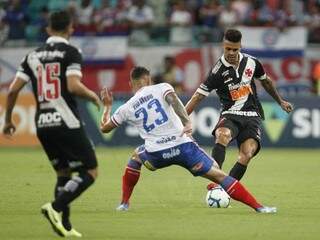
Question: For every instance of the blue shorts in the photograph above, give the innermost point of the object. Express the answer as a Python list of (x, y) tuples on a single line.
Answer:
[(188, 155)]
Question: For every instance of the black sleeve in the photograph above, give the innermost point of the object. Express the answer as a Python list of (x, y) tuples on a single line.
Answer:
[(212, 80), (259, 71), (73, 61), (24, 70)]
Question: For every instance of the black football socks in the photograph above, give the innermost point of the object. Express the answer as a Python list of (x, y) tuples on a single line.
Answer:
[(73, 189), (61, 182), (238, 171), (219, 153)]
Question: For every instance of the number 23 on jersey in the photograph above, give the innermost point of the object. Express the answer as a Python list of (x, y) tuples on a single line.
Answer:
[(153, 105)]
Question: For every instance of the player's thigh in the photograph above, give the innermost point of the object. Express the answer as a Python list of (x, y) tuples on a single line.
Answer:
[(50, 143), (249, 138), (69, 148), (194, 159), (149, 160), (79, 150)]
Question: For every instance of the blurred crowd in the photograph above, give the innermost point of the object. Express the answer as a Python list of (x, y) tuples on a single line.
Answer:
[(160, 21)]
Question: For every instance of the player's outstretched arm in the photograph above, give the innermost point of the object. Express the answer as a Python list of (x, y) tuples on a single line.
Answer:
[(13, 93), (179, 109), (76, 87), (106, 125), (193, 102), (268, 85)]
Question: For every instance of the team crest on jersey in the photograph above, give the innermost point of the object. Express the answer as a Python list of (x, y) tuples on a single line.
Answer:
[(248, 72)]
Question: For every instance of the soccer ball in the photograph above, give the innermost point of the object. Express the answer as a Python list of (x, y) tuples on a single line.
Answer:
[(217, 198)]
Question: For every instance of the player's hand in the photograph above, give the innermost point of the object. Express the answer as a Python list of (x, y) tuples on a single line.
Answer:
[(9, 129), (286, 106), (187, 129), (106, 97)]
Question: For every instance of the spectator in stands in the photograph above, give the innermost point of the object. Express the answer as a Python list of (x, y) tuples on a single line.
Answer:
[(283, 17), (171, 74), (228, 17), (140, 19), (209, 17), (108, 18), (242, 8), (104, 17), (56, 5), (4, 29), (83, 15), (41, 23), (16, 19), (312, 21), (180, 24)]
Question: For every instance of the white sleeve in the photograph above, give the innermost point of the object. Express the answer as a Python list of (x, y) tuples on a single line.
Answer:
[(166, 88), (119, 115)]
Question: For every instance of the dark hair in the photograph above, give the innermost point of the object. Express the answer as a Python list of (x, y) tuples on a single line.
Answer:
[(138, 71), (233, 35), (59, 21)]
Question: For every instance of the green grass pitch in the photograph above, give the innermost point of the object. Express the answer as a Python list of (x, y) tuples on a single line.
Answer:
[(166, 204)]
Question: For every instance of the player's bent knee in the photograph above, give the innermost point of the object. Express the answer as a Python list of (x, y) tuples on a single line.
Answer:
[(223, 136), (135, 157), (93, 173)]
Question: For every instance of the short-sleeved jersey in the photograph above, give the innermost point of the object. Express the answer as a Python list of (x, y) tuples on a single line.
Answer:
[(236, 87), (47, 67), (155, 119)]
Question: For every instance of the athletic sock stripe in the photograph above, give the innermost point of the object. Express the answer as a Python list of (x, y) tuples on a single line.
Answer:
[(132, 169), (232, 185)]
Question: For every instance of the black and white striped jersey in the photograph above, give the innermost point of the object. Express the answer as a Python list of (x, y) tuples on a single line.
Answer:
[(47, 67), (236, 87)]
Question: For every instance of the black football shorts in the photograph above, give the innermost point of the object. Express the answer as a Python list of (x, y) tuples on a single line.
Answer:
[(68, 148), (242, 128)]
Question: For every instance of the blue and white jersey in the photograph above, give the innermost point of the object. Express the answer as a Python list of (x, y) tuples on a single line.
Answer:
[(155, 119)]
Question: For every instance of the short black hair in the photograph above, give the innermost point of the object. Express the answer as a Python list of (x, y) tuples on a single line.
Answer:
[(138, 71), (59, 20), (233, 35)]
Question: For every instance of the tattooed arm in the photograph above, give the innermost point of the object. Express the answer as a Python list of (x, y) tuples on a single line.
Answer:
[(268, 85), (179, 109)]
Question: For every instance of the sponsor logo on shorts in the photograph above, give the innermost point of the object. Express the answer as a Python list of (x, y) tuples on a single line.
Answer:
[(173, 153)]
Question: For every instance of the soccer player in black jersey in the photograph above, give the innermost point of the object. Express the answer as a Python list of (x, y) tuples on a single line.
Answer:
[(54, 71), (233, 77)]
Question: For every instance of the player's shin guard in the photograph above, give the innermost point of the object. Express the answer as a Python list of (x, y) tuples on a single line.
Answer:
[(130, 179), (219, 153), (238, 192), (73, 189), (61, 182), (238, 171)]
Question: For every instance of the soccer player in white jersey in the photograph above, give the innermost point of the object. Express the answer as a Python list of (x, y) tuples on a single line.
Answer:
[(163, 123)]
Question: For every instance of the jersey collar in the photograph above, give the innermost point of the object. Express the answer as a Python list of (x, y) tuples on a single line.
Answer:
[(224, 61), (57, 39)]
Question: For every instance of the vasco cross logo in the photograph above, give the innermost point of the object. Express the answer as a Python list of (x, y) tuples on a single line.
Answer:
[(275, 120)]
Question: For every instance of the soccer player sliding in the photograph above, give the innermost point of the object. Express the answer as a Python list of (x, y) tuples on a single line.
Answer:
[(163, 123)]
